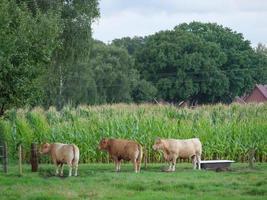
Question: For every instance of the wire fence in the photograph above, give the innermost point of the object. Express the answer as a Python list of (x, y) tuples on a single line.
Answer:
[(4, 156)]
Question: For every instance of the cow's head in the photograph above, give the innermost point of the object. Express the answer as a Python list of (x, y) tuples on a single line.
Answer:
[(45, 148), (103, 144), (158, 144)]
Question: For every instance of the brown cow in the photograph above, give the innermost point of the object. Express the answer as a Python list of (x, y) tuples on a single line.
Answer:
[(173, 149), (62, 154), (120, 149)]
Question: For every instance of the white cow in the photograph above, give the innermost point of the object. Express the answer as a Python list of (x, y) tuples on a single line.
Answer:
[(62, 154), (173, 149)]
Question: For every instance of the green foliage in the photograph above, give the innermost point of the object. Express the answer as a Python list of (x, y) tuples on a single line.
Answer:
[(261, 61), (226, 132), (26, 46), (48, 58), (132, 45), (199, 62), (144, 92), (68, 76)]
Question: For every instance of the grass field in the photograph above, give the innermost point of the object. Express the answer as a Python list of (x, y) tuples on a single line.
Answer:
[(99, 181)]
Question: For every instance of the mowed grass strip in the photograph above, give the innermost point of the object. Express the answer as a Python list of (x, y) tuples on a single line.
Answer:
[(99, 181)]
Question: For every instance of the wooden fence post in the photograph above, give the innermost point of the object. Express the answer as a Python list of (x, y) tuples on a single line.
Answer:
[(251, 157), (20, 161), (5, 157), (34, 157)]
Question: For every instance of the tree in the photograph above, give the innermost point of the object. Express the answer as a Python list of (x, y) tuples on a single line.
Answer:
[(260, 60), (239, 63), (114, 74), (201, 62), (132, 45), (27, 44), (69, 73), (144, 91)]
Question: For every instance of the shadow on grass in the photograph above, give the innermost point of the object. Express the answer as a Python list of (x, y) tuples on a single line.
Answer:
[(256, 192), (85, 170), (49, 173)]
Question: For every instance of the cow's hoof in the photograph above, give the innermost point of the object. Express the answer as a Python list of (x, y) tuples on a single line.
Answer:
[(166, 170)]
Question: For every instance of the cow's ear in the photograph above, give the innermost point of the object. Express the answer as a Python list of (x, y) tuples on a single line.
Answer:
[(104, 140)]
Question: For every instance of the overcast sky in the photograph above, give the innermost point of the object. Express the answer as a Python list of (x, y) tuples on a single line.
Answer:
[(121, 18)]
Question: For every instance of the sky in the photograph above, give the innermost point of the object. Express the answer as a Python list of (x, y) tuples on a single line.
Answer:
[(122, 18)]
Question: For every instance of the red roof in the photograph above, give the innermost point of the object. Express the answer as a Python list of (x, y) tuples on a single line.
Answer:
[(262, 89), (258, 94)]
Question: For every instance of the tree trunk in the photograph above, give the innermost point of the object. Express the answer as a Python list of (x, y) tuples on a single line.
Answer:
[(60, 87), (2, 110)]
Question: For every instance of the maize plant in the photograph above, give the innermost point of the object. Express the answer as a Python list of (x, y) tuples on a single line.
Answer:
[(226, 131)]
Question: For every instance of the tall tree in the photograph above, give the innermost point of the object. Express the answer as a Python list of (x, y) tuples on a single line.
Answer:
[(239, 66), (67, 74), (27, 44), (132, 45), (260, 60), (142, 90), (198, 61), (114, 74)]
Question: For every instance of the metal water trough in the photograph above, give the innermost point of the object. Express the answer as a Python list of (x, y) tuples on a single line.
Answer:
[(218, 165)]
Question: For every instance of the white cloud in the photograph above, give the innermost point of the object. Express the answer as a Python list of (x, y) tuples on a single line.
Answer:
[(121, 18)]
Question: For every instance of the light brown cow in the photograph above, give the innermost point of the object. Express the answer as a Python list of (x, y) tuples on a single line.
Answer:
[(120, 149), (173, 149), (62, 154)]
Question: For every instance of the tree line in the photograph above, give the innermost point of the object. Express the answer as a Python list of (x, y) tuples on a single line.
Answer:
[(49, 58)]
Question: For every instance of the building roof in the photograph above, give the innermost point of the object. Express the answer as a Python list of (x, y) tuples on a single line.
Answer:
[(239, 100), (259, 87), (262, 89)]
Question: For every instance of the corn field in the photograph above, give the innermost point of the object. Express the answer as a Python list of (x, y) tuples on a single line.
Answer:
[(226, 132)]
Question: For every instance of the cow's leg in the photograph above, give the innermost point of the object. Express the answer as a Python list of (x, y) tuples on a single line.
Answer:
[(194, 161), (116, 163), (62, 168), (57, 166), (199, 161), (76, 169), (119, 166), (170, 165), (138, 165), (135, 165), (173, 164), (70, 168)]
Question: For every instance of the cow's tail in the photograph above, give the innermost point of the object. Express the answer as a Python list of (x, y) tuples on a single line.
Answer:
[(74, 154), (140, 155)]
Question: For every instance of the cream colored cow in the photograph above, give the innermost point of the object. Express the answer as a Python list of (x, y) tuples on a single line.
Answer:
[(62, 154), (173, 149)]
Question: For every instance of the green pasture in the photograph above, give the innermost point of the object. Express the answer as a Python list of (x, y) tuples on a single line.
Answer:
[(99, 181)]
